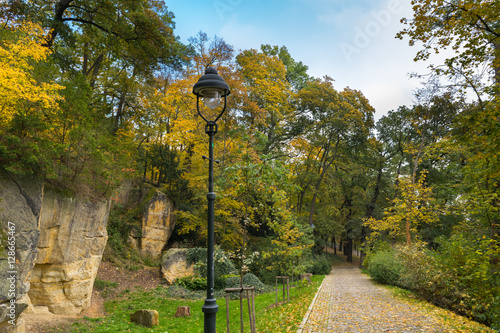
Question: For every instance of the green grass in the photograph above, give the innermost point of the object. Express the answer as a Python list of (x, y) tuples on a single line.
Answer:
[(284, 318), (103, 284)]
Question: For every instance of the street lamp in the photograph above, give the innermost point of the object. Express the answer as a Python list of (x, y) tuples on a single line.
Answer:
[(211, 87)]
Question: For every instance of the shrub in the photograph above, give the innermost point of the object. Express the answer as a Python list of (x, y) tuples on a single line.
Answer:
[(222, 264), (192, 283), (175, 291), (151, 261), (469, 265), (321, 267), (385, 267), (268, 276), (457, 276), (222, 281), (122, 222), (249, 280), (422, 274)]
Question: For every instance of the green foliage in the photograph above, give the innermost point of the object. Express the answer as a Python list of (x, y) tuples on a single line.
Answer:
[(223, 281), (419, 264), (249, 280), (456, 276), (291, 240), (151, 262), (321, 267), (384, 267), (192, 283), (103, 284), (223, 266), (122, 223), (465, 262)]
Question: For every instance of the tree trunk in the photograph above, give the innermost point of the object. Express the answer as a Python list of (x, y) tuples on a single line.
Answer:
[(59, 10), (326, 247), (334, 245), (349, 249), (370, 208), (300, 201), (119, 111), (95, 70), (325, 164), (313, 206)]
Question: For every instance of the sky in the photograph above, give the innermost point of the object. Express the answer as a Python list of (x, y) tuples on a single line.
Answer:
[(351, 41)]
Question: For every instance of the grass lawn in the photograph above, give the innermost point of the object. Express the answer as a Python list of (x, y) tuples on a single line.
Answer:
[(284, 318)]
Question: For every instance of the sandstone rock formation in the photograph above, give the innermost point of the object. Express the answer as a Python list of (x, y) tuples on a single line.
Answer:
[(20, 205), (59, 243), (174, 265), (72, 239), (157, 225)]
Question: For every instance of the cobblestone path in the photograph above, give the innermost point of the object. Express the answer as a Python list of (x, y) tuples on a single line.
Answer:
[(348, 301)]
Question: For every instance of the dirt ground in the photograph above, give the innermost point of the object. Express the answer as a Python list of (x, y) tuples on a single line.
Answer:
[(146, 278)]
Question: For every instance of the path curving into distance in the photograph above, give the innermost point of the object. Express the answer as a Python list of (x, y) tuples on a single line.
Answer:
[(348, 301)]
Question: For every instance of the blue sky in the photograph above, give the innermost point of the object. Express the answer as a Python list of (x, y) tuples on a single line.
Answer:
[(351, 41)]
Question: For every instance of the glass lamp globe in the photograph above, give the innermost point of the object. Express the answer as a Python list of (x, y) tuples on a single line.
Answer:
[(211, 98)]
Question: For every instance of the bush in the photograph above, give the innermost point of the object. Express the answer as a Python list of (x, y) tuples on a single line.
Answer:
[(249, 280), (457, 276), (222, 264), (319, 246), (222, 281), (268, 276), (151, 261), (385, 267), (469, 266), (422, 274), (321, 267), (122, 222), (192, 283)]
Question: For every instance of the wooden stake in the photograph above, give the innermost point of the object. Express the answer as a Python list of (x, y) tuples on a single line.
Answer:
[(253, 309), (288, 289), (249, 310), (227, 312), (241, 310), (276, 298)]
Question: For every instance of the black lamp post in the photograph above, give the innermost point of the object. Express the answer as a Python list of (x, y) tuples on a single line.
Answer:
[(211, 87)]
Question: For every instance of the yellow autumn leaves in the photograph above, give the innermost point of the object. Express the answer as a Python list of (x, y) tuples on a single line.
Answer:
[(413, 207), (19, 50)]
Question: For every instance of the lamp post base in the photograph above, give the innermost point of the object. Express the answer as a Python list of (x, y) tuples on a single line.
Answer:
[(210, 309)]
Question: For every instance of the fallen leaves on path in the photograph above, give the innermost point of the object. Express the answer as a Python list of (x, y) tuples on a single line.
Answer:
[(349, 301)]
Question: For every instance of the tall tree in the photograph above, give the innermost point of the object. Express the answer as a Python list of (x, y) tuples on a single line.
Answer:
[(471, 28), (270, 92), (296, 72), (338, 122)]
